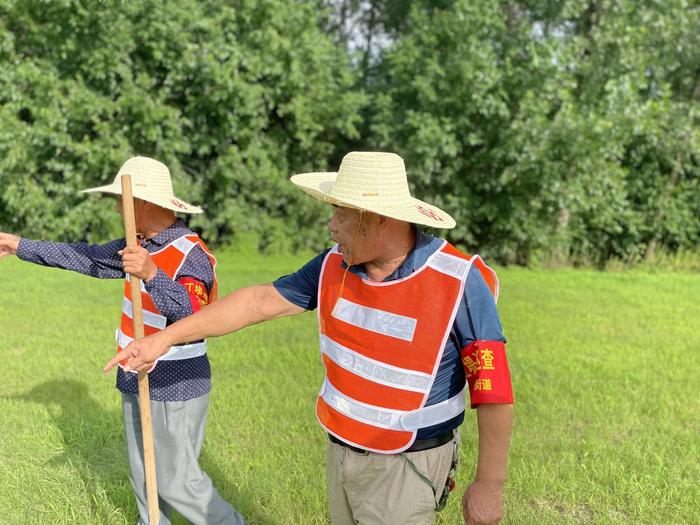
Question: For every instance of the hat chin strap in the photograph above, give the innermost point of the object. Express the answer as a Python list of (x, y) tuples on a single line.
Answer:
[(349, 263)]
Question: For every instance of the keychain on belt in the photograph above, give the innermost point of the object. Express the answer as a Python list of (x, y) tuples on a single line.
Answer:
[(450, 483), (451, 480)]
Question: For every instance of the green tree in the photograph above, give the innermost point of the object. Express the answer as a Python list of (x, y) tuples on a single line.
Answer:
[(233, 98), (551, 130), (564, 130)]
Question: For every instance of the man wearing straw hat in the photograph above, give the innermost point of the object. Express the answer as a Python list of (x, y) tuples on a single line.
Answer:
[(177, 273), (407, 325)]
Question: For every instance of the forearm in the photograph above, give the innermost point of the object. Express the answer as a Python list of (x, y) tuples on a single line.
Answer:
[(494, 422), (237, 310)]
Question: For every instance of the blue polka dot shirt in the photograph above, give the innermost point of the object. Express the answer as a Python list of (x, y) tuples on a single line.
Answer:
[(170, 380)]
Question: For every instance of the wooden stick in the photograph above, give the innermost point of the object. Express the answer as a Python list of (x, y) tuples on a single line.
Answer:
[(149, 457)]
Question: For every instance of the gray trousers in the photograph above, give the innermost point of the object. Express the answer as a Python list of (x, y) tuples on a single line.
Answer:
[(178, 434)]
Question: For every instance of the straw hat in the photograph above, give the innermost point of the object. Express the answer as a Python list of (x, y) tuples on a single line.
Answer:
[(375, 182), (150, 181)]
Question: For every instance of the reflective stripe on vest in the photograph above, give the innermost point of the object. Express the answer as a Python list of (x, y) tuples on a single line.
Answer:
[(395, 419), (450, 265), (149, 318), (375, 370), (382, 343), (128, 280), (376, 320), (183, 244), (458, 268), (175, 353)]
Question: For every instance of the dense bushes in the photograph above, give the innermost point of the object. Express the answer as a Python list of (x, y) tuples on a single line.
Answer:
[(232, 99), (563, 131)]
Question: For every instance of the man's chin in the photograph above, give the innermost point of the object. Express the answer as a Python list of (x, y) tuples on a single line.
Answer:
[(345, 255)]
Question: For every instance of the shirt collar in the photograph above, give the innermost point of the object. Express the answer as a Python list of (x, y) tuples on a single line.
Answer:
[(169, 234)]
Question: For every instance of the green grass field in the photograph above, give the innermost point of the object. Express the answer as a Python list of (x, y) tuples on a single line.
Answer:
[(606, 371)]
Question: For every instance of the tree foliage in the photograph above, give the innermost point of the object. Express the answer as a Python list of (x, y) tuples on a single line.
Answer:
[(562, 130), (232, 97)]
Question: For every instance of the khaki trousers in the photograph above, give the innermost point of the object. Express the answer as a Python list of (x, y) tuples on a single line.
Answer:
[(383, 489)]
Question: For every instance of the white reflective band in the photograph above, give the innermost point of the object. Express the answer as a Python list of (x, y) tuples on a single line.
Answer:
[(374, 370), (375, 320), (143, 287), (175, 353), (394, 419), (379, 417), (183, 244), (149, 318), (450, 265), (435, 414), (185, 351)]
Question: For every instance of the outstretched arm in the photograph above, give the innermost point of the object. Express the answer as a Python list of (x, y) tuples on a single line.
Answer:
[(96, 260), (237, 310)]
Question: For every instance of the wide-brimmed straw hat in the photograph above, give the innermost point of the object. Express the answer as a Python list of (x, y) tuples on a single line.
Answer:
[(150, 181), (376, 182)]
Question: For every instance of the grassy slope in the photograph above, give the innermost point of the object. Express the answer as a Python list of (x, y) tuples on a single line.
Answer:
[(605, 370)]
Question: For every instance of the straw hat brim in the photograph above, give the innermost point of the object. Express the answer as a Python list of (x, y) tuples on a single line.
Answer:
[(320, 185), (169, 202)]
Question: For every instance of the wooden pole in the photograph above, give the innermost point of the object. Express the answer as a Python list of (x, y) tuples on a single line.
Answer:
[(149, 457)]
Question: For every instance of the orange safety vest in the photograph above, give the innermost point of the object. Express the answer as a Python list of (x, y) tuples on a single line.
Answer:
[(381, 344), (168, 259)]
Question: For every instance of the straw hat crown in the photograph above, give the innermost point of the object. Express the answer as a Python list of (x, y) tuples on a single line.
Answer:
[(150, 181), (376, 182)]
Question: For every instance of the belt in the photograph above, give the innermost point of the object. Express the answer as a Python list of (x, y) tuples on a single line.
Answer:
[(418, 444)]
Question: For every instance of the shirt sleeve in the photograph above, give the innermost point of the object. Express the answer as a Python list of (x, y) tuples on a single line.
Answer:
[(301, 287), (96, 260), (477, 317), (483, 349), (172, 296)]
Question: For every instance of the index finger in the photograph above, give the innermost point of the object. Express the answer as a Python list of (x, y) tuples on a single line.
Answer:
[(121, 356)]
